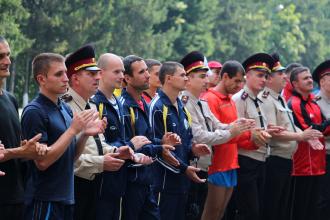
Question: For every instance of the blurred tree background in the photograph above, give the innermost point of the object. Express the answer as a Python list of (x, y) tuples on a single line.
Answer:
[(165, 30)]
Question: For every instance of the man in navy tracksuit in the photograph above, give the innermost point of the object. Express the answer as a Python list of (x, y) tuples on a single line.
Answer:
[(139, 201), (114, 183), (167, 114)]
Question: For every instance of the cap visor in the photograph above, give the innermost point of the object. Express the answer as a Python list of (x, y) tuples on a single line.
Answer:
[(279, 69), (92, 68), (203, 68)]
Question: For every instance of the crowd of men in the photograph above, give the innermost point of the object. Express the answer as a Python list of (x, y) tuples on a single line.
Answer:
[(180, 140)]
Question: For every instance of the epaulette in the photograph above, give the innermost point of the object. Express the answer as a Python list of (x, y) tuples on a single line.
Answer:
[(66, 97), (184, 99), (317, 98), (244, 95), (265, 94)]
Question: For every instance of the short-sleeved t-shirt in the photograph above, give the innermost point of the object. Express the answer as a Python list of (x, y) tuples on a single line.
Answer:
[(51, 120), (11, 185)]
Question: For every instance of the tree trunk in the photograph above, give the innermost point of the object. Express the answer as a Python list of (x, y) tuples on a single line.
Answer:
[(12, 76), (26, 83)]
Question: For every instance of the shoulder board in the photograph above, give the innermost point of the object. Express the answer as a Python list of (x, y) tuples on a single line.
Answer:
[(66, 97), (317, 98), (184, 99), (244, 95), (265, 94)]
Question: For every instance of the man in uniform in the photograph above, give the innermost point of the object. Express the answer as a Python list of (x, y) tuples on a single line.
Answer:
[(97, 156), (283, 146), (251, 175), (206, 128), (309, 159), (321, 75), (167, 114), (50, 185)]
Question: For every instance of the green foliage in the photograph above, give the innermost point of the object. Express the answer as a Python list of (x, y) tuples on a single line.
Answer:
[(13, 14), (286, 36), (165, 30)]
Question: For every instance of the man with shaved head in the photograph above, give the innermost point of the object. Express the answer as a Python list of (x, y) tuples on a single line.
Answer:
[(112, 68)]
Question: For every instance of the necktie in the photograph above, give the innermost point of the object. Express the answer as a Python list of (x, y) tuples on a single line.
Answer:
[(96, 137), (200, 106), (262, 124), (283, 105)]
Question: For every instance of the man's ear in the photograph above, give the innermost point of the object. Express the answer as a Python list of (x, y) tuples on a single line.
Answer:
[(73, 78), (321, 82), (168, 78), (224, 76), (41, 78), (294, 83), (127, 78)]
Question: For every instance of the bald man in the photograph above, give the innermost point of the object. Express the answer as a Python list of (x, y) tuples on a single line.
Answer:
[(112, 69)]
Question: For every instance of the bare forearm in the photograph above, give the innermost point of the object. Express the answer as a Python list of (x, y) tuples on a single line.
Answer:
[(12, 153), (288, 136), (56, 150)]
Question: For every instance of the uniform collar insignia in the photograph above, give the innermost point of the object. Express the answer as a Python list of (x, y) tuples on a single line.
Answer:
[(184, 99), (244, 95), (265, 94), (66, 97)]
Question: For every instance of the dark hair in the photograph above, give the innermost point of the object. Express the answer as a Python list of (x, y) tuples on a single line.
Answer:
[(151, 62), (291, 66), (168, 68), (128, 61), (41, 63), (232, 67), (296, 71)]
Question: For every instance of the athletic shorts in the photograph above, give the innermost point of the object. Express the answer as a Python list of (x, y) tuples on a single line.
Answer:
[(225, 178)]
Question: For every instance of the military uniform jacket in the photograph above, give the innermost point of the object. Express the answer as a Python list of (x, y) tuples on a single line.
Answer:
[(324, 103), (278, 115), (246, 108), (90, 162), (219, 133)]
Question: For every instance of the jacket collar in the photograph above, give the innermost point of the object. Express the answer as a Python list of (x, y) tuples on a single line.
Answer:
[(309, 97), (77, 98), (166, 100), (326, 99), (102, 98), (250, 93), (125, 96), (190, 95)]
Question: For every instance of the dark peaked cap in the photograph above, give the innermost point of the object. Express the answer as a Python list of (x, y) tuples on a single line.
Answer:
[(83, 58), (321, 70), (193, 61), (277, 64), (259, 61)]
